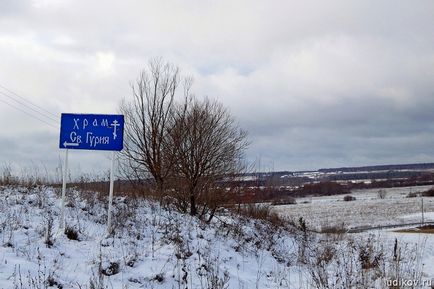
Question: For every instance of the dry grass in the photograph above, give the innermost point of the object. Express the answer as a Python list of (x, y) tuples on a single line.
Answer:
[(261, 212)]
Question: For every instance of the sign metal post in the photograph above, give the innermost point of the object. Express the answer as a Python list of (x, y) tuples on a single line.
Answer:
[(109, 213), (65, 172)]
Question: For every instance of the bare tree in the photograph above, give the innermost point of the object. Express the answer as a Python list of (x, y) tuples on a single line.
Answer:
[(189, 149), (148, 120), (209, 149)]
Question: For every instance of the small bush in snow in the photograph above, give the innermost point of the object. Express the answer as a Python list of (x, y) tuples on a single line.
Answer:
[(429, 193), (111, 269), (261, 212), (382, 194), (159, 278), (52, 282), (71, 233), (349, 198), (412, 195), (333, 229), (48, 235), (285, 201)]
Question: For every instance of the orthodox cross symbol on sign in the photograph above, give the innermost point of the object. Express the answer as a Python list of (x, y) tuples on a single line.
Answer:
[(115, 124)]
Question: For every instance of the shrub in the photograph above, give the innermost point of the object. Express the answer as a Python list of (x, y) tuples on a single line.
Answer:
[(159, 278), (382, 194), (48, 238), (412, 195), (51, 282), (285, 201), (333, 229), (111, 269), (71, 233), (349, 198), (429, 193), (261, 212), (257, 211)]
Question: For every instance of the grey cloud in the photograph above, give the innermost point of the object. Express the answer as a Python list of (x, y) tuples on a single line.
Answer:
[(13, 7), (315, 84)]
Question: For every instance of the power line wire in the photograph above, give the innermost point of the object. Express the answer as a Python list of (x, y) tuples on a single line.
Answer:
[(28, 107), (29, 114), (23, 98), (41, 111)]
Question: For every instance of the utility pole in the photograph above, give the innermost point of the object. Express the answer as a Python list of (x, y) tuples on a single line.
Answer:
[(423, 221)]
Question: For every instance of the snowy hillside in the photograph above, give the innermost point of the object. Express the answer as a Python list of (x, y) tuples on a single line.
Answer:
[(158, 247), (152, 247)]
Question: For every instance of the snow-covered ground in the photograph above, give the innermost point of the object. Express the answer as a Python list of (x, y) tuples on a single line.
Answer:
[(370, 210), (367, 210), (152, 247), (157, 247)]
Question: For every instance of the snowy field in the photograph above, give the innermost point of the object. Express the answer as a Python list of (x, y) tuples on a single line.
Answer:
[(367, 210), (158, 247)]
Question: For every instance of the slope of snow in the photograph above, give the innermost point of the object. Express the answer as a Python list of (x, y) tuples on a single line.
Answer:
[(152, 247)]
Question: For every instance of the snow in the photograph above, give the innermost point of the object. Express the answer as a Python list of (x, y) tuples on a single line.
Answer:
[(153, 247), (427, 216), (367, 210), (156, 246)]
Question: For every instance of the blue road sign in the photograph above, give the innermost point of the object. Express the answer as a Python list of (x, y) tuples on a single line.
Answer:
[(91, 131)]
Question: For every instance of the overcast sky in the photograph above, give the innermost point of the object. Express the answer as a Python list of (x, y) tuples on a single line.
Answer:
[(315, 83)]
